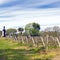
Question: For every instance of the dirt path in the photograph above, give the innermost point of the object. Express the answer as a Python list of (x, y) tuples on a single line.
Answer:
[(56, 58)]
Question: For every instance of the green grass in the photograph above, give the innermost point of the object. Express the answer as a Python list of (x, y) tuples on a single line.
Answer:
[(7, 44), (7, 51), (12, 50), (13, 54)]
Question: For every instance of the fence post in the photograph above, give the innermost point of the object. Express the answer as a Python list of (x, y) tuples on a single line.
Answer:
[(27, 40), (47, 41), (22, 40), (42, 41), (52, 38), (47, 38), (58, 41), (33, 41)]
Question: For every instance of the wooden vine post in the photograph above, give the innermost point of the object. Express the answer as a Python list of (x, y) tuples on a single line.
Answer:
[(42, 41), (47, 36), (33, 41), (58, 41)]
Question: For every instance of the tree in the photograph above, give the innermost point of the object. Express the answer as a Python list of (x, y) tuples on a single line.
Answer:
[(11, 31), (49, 29), (36, 26), (53, 31), (32, 29), (20, 30), (56, 29)]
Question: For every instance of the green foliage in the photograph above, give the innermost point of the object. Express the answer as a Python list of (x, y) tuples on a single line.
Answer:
[(11, 31), (25, 34), (34, 32), (36, 26), (20, 30), (32, 29)]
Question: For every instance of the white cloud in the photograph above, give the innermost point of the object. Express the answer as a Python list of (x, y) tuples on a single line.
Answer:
[(5, 1), (22, 17)]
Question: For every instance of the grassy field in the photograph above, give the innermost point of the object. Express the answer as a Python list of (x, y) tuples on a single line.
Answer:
[(12, 50)]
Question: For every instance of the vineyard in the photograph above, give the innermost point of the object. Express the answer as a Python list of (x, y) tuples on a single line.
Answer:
[(38, 41), (29, 48)]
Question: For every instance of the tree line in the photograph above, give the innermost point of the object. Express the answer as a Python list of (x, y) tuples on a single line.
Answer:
[(33, 29)]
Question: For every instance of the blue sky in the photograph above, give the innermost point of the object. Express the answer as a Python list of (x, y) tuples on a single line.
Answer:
[(17, 13)]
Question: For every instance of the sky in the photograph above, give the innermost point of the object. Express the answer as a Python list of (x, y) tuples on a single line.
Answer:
[(18, 13)]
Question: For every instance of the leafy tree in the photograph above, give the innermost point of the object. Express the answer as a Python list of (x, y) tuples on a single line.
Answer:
[(36, 26), (11, 31), (20, 30), (32, 29)]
